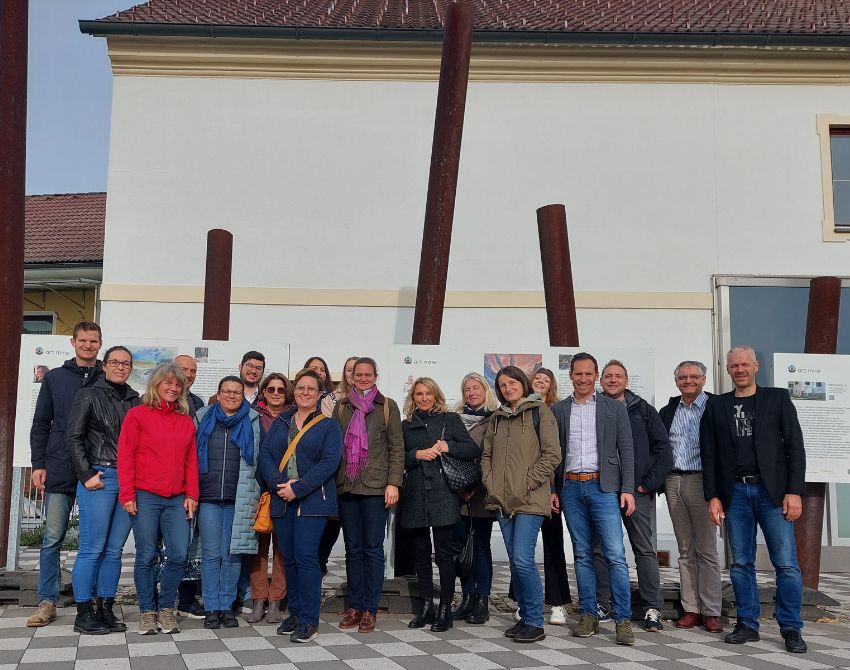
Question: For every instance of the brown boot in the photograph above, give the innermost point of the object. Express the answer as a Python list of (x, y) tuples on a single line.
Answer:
[(273, 614), (256, 615), (350, 619), (45, 613), (367, 623)]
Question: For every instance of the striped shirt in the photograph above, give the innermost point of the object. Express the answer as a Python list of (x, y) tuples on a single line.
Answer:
[(684, 434), (582, 454)]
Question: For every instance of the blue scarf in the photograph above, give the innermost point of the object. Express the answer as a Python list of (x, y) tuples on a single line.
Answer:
[(241, 433)]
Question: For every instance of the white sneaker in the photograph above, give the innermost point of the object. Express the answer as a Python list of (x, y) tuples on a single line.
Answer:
[(652, 621), (517, 617), (603, 614), (558, 615)]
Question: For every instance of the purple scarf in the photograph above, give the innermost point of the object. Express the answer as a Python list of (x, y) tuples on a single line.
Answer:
[(356, 438)]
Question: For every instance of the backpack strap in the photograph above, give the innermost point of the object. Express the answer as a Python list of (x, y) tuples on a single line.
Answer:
[(535, 417), (387, 413)]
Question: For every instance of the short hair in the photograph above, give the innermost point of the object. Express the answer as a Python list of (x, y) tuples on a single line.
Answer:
[(741, 348), (366, 360), (552, 394), (288, 396), (328, 384), (583, 356), (614, 361), (512, 372), (702, 369), (431, 385), (307, 372), (253, 355), (86, 325), (160, 374), (231, 378), (490, 401), (117, 347)]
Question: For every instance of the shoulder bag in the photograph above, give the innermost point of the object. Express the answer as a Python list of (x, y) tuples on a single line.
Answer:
[(460, 474)]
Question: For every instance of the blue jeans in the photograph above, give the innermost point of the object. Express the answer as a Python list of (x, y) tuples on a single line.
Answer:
[(104, 527), (520, 535), (588, 509), (298, 538), (157, 515), (480, 581), (219, 568), (57, 512), (364, 522), (750, 506)]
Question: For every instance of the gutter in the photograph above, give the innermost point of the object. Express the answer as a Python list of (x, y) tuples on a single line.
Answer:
[(69, 275), (101, 28)]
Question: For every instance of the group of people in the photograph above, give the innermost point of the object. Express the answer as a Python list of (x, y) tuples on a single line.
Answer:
[(188, 479)]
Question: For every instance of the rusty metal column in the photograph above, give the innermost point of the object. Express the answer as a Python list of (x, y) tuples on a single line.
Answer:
[(442, 182), (557, 276), (13, 141), (821, 338), (217, 285)]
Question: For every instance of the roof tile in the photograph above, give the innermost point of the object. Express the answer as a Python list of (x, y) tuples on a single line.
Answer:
[(64, 228)]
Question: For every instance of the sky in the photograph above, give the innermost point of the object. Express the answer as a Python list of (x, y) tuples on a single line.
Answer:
[(69, 97)]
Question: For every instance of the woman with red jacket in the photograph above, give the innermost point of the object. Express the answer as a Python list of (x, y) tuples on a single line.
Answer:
[(158, 486)]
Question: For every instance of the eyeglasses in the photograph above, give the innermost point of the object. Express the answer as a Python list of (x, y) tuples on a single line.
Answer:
[(230, 393), (126, 365), (306, 389), (685, 378), (254, 368), (280, 390)]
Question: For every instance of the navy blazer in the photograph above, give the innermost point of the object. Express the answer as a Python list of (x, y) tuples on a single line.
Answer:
[(777, 438), (317, 457)]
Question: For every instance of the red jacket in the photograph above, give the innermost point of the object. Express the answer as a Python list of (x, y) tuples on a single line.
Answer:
[(157, 454)]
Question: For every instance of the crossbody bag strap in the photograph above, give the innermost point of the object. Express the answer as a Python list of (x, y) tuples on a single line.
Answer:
[(291, 448)]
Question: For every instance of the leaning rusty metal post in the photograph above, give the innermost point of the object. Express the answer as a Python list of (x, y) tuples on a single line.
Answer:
[(217, 285), (442, 182), (13, 138), (557, 276), (821, 338)]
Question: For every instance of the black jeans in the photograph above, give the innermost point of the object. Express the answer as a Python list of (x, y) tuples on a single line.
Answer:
[(556, 583), (326, 544), (444, 557)]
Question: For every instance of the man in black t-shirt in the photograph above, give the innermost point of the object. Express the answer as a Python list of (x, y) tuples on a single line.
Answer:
[(754, 469)]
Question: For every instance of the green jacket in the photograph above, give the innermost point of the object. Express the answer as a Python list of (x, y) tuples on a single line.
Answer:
[(385, 464), (517, 467)]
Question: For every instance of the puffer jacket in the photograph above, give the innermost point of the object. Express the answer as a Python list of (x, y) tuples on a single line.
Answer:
[(385, 464), (427, 500), (93, 427), (48, 436), (517, 467), (243, 538)]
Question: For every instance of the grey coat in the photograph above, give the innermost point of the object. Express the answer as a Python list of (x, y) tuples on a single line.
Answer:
[(613, 443)]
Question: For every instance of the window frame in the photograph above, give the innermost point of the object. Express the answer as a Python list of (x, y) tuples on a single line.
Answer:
[(826, 123), (43, 314)]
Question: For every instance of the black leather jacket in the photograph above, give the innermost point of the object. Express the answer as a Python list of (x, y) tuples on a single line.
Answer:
[(93, 426)]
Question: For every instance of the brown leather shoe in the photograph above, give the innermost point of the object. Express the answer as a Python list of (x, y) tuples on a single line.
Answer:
[(350, 618), (367, 623), (689, 620), (713, 625)]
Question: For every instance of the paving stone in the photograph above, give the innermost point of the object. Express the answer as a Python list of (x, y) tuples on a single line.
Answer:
[(215, 659), (102, 640), (158, 663), (300, 653), (94, 653), (252, 657), (163, 647), (103, 664), (50, 655), (201, 646)]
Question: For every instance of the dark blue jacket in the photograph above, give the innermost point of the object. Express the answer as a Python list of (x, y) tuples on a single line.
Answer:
[(219, 482), (653, 455), (48, 435), (317, 456)]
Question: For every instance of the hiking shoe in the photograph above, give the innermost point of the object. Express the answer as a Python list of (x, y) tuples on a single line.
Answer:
[(603, 614), (212, 621), (288, 625), (742, 633), (587, 626), (148, 624), (652, 621), (306, 632), (167, 621), (45, 613), (625, 635), (529, 633), (558, 615), (794, 641), (513, 630)]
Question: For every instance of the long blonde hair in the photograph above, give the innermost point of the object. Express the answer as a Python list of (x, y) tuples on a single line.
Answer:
[(160, 374), (431, 385), (344, 388), (490, 401)]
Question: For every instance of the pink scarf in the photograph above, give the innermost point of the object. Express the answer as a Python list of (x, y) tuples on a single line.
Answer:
[(356, 438)]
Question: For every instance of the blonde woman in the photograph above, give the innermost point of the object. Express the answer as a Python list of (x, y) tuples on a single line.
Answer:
[(158, 486), (428, 503)]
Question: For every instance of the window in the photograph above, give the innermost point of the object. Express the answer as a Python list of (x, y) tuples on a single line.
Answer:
[(834, 133), (38, 323)]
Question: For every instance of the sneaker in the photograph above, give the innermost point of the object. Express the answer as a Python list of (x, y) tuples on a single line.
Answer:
[(288, 625), (652, 621), (148, 624), (306, 632), (587, 626), (192, 609), (625, 635), (45, 613), (228, 619), (529, 634), (558, 615), (168, 621), (794, 641), (513, 630), (212, 621), (742, 633), (603, 614)]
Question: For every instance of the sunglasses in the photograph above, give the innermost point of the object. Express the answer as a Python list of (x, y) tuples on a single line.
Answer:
[(280, 390)]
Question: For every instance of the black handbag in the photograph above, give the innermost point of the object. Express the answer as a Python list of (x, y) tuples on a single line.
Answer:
[(466, 554), (460, 474)]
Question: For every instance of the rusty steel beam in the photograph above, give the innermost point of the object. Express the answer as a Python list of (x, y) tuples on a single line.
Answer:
[(13, 142), (217, 285), (557, 276), (442, 182), (821, 338)]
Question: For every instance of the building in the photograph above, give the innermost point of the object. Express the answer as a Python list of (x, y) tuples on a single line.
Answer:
[(700, 149)]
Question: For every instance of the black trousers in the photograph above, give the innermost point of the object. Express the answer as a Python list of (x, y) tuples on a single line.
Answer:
[(444, 557), (556, 584), (326, 544)]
